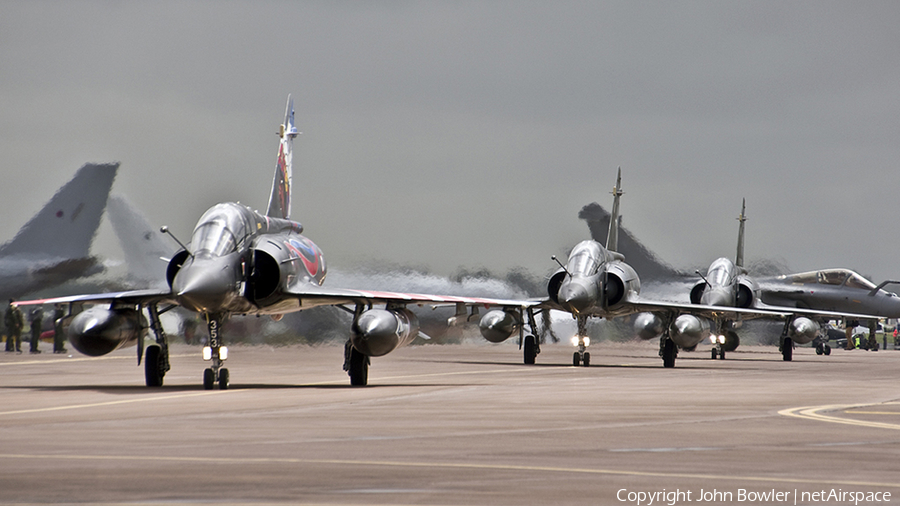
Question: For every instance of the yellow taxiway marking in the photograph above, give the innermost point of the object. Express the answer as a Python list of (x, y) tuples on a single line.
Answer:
[(449, 465), (815, 413)]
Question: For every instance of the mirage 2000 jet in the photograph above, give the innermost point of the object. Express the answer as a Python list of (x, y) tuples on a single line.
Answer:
[(242, 262), (596, 282), (728, 284)]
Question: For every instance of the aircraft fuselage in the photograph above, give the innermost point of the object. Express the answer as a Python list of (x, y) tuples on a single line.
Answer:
[(241, 260)]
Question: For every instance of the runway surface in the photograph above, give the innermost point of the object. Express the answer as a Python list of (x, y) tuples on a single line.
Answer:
[(453, 425)]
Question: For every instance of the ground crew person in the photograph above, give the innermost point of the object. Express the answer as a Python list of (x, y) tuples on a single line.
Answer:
[(36, 317), (59, 340), (14, 324)]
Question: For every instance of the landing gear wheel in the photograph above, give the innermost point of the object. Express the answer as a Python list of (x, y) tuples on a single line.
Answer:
[(152, 374), (714, 354), (359, 368), (530, 348), (587, 359), (209, 379), (787, 349), (669, 353), (827, 350), (576, 359), (820, 349), (223, 379), (722, 355)]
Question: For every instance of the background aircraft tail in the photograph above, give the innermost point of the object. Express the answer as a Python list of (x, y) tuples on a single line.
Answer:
[(739, 257), (612, 238), (280, 200), (66, 225), (143, 245)]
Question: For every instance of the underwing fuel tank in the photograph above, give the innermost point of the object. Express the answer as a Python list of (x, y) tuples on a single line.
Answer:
[(99, 330), (686, 331), (497, 325), (648, 326), (804, 330), (377, 332)]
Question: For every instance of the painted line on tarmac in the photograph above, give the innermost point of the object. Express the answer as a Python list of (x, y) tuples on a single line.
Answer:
[(815, 413), (234, 390), (67, 359), (446, 465), (114, 403)]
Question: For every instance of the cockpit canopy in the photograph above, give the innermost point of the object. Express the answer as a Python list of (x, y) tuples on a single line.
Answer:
[(222, 229), (585, 259), (721, 272), (834, 277)]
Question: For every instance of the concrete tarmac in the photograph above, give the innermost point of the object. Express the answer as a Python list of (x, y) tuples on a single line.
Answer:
[(454, 425)]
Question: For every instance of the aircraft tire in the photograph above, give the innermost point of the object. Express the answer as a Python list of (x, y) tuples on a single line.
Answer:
[(787, 349), (209, 379), (223, 379), (669, 354), (587, 359), (827, 350), (576, 359), (152, 375), (714, 354), (530, 349), (722, 355), (820, 349), (359, 368)]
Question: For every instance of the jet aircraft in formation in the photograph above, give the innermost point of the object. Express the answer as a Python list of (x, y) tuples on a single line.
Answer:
[(242, 262), (727, 283), (596, 282)]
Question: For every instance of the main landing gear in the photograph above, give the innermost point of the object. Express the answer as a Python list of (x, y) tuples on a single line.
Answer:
[(785, 343), (668, 351), (529, 344), (356, 364), (156, 357), (216, 353)]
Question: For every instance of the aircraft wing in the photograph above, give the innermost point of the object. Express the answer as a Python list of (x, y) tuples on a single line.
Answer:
[(127, 297), (305, 298), (640, 305), (819, 313), (311, 297)]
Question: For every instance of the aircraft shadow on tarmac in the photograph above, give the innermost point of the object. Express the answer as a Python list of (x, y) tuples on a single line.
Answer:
[(170, 389)]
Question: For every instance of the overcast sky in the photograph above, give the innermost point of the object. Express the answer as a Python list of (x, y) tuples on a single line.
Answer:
[(449, 134)]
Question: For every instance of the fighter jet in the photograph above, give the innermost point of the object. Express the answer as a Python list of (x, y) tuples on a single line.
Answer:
[(243, 262), (839, 290), (54, 246), (728, 284), (596, 282)]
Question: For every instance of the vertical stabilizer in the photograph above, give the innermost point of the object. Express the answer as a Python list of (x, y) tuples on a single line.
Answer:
[(280, 200), (739, 258), (144, 245), (66, 225), (612, 238)]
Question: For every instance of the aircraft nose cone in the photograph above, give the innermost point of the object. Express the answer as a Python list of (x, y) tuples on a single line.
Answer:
[(717, 297), (575, 297), (203, 286)]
